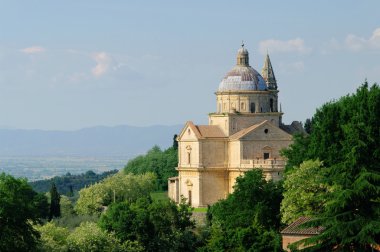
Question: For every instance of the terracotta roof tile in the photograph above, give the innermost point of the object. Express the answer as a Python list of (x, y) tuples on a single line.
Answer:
[(210, 131), (294, 228), (245, 131)]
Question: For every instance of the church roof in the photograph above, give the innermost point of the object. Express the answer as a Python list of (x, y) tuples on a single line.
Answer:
[(207, 131), (295, 127), (245, 131), (242, 77), (242, 133)]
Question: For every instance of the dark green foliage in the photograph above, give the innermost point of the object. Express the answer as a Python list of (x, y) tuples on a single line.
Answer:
[(18, 210), (249, 218), (308, 126), (346, 138), (161, 163), (69, 184), (42, 205), (71, 191), (156, 225), (55, 207), (175, 142), (297, 152)]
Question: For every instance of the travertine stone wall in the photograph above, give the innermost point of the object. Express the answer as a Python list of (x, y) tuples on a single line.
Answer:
[(214, 153), (214, 186)]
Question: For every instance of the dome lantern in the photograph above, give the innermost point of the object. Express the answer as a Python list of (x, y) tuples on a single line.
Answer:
[(242, 77), (242, 56)]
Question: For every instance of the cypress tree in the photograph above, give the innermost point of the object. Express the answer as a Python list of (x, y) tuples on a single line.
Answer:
[(175, 142), (55, 208)]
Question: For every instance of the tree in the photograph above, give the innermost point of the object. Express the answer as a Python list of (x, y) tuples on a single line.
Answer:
[(71, 191), (67, 209), (42, 205), (156, 225), (89, 237), (53, 238), (345, 137), (304, 192), (55, 207), (249, 217), (117, 188), (18, 211), (161, 163), (308, 126), (175, 142)]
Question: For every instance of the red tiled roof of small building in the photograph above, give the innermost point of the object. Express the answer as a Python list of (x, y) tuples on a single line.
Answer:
[(294, 228)]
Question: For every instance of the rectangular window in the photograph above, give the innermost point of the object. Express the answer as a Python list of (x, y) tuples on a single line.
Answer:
[(266, 155), (190, 198)]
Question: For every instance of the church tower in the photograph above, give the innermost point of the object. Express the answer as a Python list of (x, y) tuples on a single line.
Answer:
[(244, 133)]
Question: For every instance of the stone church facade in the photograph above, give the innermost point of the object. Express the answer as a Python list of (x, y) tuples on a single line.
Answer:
[(245, 132)]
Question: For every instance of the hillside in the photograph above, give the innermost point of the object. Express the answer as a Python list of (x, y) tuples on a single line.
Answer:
[(95, 141), (69, 182)]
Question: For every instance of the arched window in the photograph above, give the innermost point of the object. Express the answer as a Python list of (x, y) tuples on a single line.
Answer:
[(253, 107)]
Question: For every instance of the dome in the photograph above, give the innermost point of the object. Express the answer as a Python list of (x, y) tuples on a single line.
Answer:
[(242, 77)]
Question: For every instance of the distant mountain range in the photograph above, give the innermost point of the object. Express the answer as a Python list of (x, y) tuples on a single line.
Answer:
[(95, 141)]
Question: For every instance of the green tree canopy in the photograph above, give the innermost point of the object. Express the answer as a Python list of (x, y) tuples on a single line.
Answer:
[(304, 192), (53, 238), (116, 188), (18, 210), (345, 137), (156, 225), (161, 163)]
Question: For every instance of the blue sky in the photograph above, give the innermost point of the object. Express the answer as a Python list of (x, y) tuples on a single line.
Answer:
[(80, 63)]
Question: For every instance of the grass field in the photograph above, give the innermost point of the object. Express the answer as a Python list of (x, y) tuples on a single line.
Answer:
[(200, 210), (159, 195)]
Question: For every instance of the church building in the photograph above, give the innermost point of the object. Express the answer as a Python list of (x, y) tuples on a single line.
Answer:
[(245, 132)]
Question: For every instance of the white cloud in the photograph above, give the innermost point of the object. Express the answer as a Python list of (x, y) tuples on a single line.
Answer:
[(356, 43), (292, 67), (284, 46), (33, 50), (103, 65)]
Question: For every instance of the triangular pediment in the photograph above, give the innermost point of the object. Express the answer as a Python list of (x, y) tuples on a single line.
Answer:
[(189, 133), (262, 131)]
